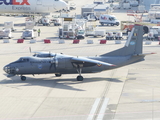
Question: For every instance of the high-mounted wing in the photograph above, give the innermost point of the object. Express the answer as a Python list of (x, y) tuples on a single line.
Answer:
[(89, 62)]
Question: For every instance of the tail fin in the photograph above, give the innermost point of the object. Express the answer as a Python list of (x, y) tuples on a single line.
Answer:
[(133, 45)]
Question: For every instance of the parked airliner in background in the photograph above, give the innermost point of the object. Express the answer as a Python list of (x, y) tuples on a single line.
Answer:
[(32, 6)]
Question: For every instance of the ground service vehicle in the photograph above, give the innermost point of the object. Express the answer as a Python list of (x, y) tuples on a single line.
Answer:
[(109, 20)]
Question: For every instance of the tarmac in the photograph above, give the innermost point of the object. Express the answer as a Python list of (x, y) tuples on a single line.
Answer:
[(128, 93)]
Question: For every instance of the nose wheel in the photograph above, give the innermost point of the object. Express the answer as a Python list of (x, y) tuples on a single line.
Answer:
[(23, 78)]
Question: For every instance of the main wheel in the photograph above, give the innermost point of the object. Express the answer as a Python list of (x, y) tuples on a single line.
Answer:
[(102, 24), (23, 78), (117, 24), (58, 75), (79, 78)]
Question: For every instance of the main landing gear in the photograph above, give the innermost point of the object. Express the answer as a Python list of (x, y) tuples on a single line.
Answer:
[(58, 74), (79, 70), (23, 78), (79, 78)]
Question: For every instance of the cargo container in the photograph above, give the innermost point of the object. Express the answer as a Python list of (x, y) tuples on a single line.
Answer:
[(88, 8)]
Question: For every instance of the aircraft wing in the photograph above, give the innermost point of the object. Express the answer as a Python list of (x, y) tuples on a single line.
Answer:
[(89, 62)]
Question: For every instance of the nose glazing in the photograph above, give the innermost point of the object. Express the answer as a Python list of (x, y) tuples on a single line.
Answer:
[(5, 68), (8, 69)]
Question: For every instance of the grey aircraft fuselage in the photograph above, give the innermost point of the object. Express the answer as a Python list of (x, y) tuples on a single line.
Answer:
[(45, 63), (38, 65)]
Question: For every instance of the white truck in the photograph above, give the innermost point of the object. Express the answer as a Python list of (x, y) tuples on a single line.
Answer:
[(72, 6), (154, 32), (109, 20), (134, 3), (28, 34), (6, 33), (9, 25), (95, 32), (57, 22), (29, 25), (45, 21), (80, 34), (126, 5), (99, 32)]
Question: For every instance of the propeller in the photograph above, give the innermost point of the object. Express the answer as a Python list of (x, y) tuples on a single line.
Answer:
[(30, 50), (54, 62), (50, 54)]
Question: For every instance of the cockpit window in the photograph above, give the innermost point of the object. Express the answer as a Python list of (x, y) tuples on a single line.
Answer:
[(56, 0), (23, 60)]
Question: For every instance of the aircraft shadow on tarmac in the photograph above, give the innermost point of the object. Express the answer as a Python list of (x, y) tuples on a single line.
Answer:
[(60, 83)]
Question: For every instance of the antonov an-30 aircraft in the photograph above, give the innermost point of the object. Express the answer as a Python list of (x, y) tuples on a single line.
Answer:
[(31, 6), (59, 64)]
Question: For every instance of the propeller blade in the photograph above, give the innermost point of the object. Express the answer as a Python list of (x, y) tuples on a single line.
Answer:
[(55, 66), (50, 66), (30, 49)]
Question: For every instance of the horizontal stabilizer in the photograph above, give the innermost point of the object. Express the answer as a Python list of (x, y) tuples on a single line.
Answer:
[(144, 54)]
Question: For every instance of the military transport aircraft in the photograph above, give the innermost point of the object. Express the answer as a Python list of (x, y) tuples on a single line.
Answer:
[(45, 63)]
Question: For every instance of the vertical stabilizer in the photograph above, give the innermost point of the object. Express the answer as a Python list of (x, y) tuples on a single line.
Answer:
[(133, 44)]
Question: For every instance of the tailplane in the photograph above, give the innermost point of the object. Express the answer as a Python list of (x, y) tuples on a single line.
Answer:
[(133, 44)]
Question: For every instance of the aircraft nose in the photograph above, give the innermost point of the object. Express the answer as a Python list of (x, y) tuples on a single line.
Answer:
[(8, 69), (5, 68)]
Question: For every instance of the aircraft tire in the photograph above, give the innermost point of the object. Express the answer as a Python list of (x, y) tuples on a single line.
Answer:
[(117, 24), (102, 24), (23, 78), (58, 75), (79, 78)]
